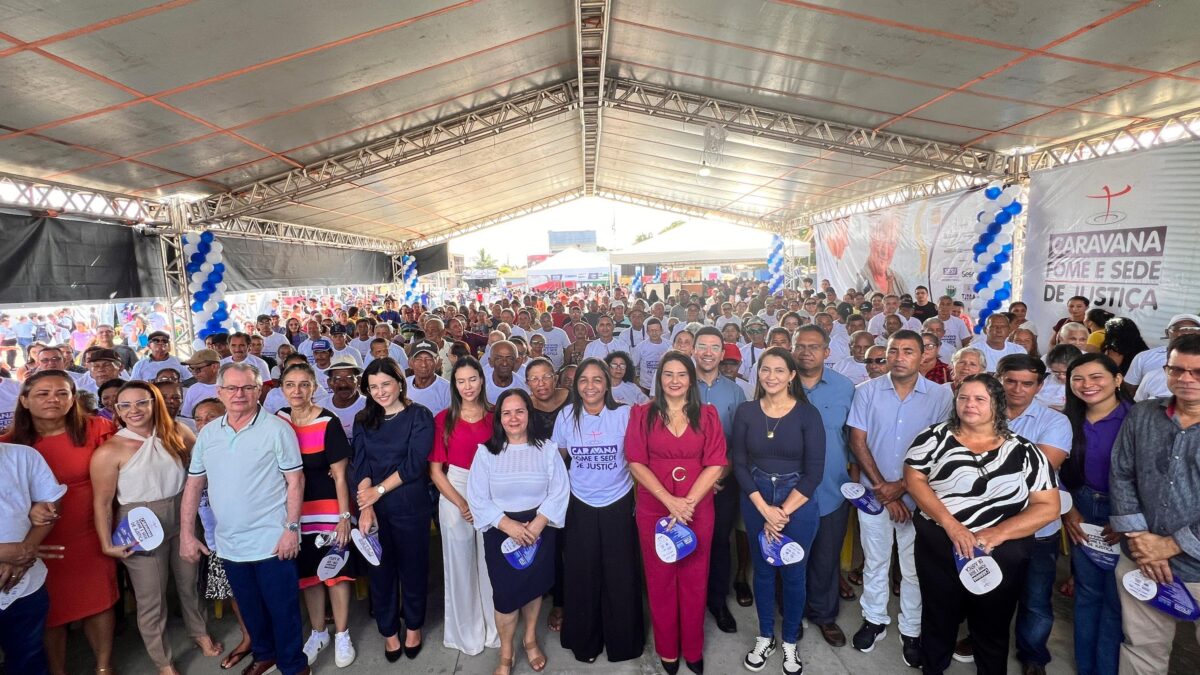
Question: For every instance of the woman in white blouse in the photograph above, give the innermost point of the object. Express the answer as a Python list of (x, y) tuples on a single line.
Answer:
[(518, 491)]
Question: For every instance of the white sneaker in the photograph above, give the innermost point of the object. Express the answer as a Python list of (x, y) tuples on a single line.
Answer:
[(756, 658), (343, 649), (791, 659), (316, 642)]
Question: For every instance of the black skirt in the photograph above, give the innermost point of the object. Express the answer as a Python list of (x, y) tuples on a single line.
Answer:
[(512, 588)]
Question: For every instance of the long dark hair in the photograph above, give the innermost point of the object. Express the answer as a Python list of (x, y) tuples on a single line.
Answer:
[(499, 440), (658, 405), (1122, 336), (454, 412), (1075, 409), (999, 404), (621, 354), (22, 431), (576, 401), (795, 388), (371, 416)]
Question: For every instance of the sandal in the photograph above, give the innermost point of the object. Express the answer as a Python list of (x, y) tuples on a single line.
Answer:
[(505, 667), (554, 621), (846, 592), (537, 660), (235, 657), (855, 577)]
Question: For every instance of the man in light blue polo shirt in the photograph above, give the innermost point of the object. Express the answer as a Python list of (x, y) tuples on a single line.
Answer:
[(250, 462), (887, 414), (1022, 377), (832, 394), (726, 396)]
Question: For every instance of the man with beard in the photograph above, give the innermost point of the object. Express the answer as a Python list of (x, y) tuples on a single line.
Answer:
[(159, 358), (425, 386)]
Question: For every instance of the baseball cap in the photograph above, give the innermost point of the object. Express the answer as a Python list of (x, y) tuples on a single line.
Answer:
[(732, 353), (203, 357), (866, 307), (1184, 317), (344, 363), (338, 329), (425, 346), (322, 345), (158, 334)]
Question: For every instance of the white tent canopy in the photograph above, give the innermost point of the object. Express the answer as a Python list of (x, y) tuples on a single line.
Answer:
[(570, 265), (703, 243)]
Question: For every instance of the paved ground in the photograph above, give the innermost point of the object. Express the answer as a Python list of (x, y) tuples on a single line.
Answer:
[(723, 653)]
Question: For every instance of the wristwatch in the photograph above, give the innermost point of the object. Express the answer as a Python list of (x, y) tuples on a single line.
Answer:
[(381, 490), (345, 515), (293, 527)]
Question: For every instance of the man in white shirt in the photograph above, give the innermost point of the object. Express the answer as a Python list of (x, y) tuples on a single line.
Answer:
[(159, 358), (424, 385), (204, 366), (339, 336), (635, 333), (727, 316), (272, 339), (891, 306), (854, 366), (1152, 360), (239, 352), (996, 345), (956, 334), (605, 343), (649, 352), (103, 365), (557, 339), (362, 338), (346, 400), (503, 360), (312, 328)]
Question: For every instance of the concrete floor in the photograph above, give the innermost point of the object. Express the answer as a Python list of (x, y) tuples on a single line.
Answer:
[(723, 652)]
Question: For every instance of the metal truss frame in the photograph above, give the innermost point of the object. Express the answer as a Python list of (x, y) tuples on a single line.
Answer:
[(591, 56), (1175, 128), (913, 191), (638, 97), (258, 228), (386, 153), (178, 300), (57, 198), (497, 218), (687, 209)]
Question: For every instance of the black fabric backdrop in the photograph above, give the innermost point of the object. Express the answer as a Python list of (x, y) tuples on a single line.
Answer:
[(62, 260), (432, 259)]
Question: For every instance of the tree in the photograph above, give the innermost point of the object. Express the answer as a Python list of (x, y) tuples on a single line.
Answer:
[(485, 260), (674, 224), (643, 237)]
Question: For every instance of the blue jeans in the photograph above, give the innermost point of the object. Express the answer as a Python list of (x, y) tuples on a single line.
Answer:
[(801, 527), (1098, 634), (268, 593), (1035, 615), (22, 626)]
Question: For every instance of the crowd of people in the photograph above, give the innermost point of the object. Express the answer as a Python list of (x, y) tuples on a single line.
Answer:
[(598, 449)]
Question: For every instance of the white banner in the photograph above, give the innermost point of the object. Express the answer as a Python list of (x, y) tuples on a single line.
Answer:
[(1122, 232), (894, 250)]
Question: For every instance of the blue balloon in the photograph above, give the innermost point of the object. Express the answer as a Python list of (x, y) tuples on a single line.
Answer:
[(993, 304), (986, 239), (1003, 218), (207, 236), (978, 287), (202, 333), (994, 229), (200, 296), (984, 277), (203, 248), (1007, 248), (1013, 208), (197, 259), (219, 267), (1002, 258), (222, 306), (990, 193), (213, 324), (994, 268), (983, 315), (1002, 294), (214, 277), (979, 249), (197, 306)]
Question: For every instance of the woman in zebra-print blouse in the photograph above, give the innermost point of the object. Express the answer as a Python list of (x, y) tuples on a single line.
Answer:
[(978, 486)]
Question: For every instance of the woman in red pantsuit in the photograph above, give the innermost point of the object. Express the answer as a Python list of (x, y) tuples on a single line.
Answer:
[(675, 448)]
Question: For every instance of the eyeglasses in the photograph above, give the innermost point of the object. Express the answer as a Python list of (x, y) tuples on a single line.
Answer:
[(247, 389), (541, 379), (160, 341), (1177, 372), (877, 362), (125, 406)]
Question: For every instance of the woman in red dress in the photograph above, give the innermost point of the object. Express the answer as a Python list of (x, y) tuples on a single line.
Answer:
[(675, 448), (83, 584)]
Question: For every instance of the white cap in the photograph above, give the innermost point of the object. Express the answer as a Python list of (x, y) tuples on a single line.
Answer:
[(1184, 317)]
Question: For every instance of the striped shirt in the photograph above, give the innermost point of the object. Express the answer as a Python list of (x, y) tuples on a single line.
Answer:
[(980, 489)]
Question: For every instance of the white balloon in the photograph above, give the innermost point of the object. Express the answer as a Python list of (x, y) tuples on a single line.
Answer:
[(982, 226), (995, 283), (993, 250), (210, 306), (1005, 237), (189, 248), (978, 303), (1012, 193), (217, 247), (1003, 275), (194, 285), (1005, 199), (206, 268), (221, 287), (985, 294)]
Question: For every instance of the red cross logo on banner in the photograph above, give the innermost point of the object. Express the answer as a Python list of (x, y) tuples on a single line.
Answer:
[(1108, 197), (595, 435)]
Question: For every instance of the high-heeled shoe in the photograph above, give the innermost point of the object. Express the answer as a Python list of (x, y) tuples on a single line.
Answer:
[(392, 655), (671, 667), (411, 652), (696, 666)]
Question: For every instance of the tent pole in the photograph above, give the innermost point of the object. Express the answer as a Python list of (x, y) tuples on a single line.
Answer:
[(177, 298)]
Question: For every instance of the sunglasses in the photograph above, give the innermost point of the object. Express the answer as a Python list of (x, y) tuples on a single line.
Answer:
[(878, 362)]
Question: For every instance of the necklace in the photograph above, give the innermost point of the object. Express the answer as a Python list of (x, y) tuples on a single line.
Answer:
[(389, 418), (771, 431)]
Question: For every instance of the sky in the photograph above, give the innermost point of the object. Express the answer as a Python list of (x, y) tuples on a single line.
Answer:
[(616, 225)]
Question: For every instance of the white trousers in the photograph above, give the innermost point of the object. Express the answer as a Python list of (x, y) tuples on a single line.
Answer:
[(878, 533), (470, 623)]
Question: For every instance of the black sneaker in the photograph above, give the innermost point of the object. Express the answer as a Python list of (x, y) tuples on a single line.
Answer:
[(910, 651), (866, 637)]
